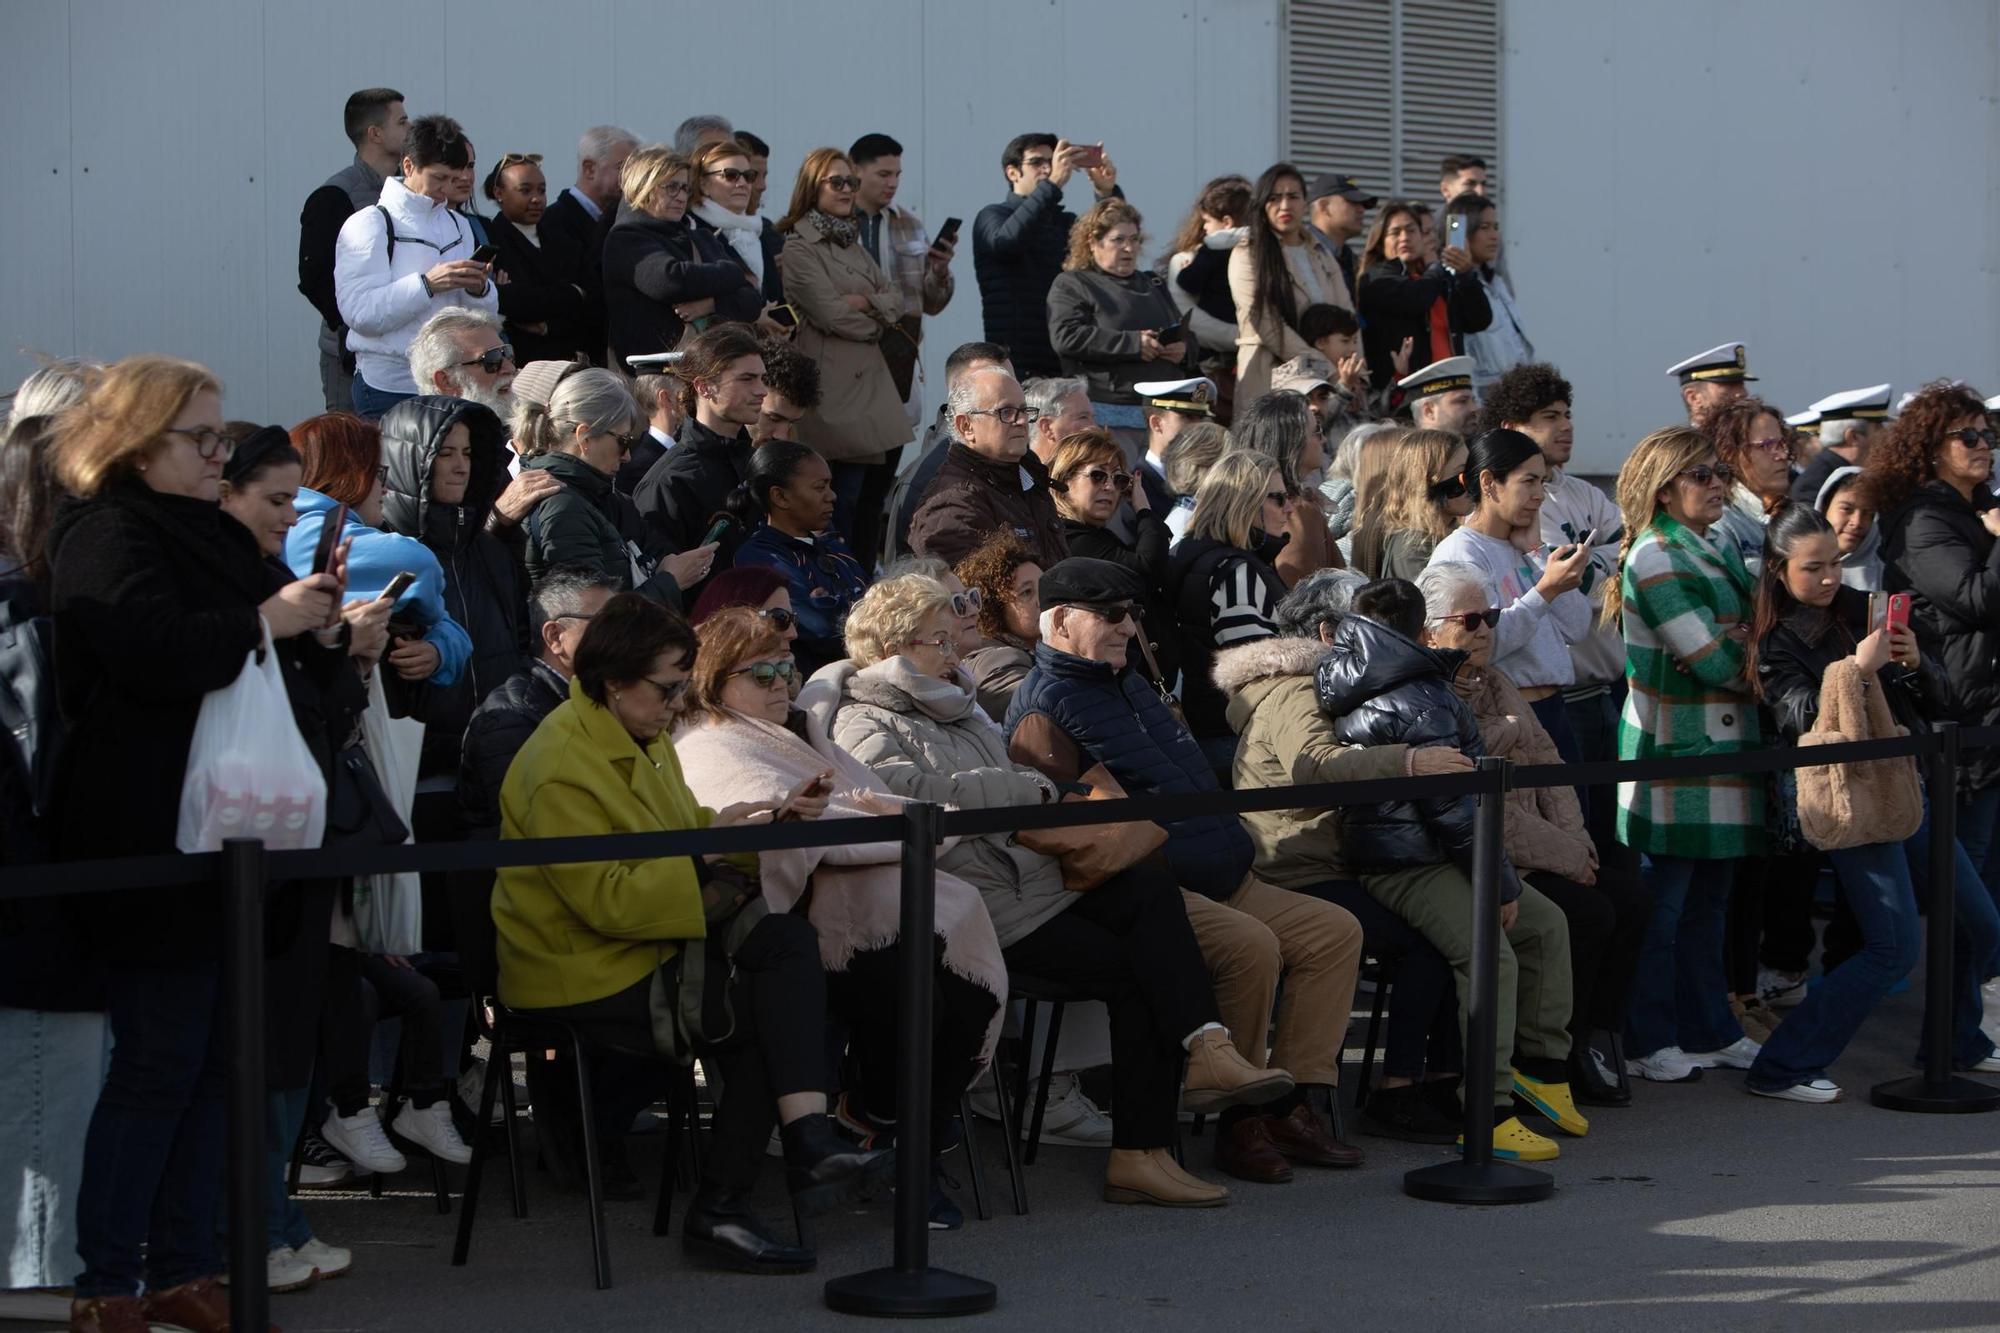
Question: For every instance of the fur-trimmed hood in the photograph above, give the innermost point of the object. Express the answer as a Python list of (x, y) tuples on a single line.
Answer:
[(1239, 666)]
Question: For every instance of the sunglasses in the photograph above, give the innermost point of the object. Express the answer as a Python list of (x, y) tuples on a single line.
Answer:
[(1470, 620), (668, 693), (764, 673), (1115, 613), (1448, 489), (1704, 474), (492, 359), (1281, 498), (211, 443), (1971, 438), (966, 603), (1120, 482), (844, 184), (781, 619), (515, 159), (736, 175)]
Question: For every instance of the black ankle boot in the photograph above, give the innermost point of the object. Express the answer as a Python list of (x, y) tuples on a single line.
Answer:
[(720, 1229), (824, 1170), (1407, 1113)]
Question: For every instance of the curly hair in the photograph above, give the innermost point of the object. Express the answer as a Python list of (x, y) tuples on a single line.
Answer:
[(1098, 219), (991, 568), (1522, 392), (1905, 460), (790, 372), (1730, 428)]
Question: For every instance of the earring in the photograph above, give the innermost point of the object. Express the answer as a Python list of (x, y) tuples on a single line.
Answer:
[(616, 695)]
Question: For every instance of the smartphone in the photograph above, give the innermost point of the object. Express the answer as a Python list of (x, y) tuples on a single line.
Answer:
[(329, 539), (397, 587), (949, 231), (485, 254), (1086, 155), (716, 530), (784, 315), (1458, 231), (1897, 613)]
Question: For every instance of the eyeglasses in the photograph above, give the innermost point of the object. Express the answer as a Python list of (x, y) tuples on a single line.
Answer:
[(676, 190), (1448, 489), (1777, 447), (736, 175), (1120, 482), (1113, 613), (944, 643), (1970, 437), (668, 693), (966, 603), (492, 359), (844, 184), (1009, 415), (1705, 473), (764, 673), (211, 443), (515, 159), (1470, 620)]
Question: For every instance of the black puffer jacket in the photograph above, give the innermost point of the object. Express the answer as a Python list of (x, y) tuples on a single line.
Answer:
[(483, 587), (588, 525), (1018, 247), (1382, 689), (1935, 547), (500, 726), (651, 265), (1793, 658)]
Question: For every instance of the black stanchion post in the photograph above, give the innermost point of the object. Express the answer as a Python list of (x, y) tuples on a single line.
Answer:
[(243, 889), (1476, 1177), (911, 1288), (1938, 1089)]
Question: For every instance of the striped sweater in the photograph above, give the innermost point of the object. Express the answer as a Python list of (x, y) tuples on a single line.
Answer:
[(1683, 593)]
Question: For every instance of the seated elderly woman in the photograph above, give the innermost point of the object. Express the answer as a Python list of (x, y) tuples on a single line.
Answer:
[(743, 739), (903, 706), (591, 943), (1286, 741), (1090, 481), (1004, 574), (1607, 905)]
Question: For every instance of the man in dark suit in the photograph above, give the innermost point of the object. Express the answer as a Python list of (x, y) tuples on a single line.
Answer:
[(574, 225)]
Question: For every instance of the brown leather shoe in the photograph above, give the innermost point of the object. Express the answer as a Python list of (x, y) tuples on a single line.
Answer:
[(1302, 1137), (200, 1306), (1218, 1076), (1245, 1151), (1150, 1175), (109, 1314)]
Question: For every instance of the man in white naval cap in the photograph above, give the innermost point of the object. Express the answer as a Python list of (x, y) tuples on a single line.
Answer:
[(1171, 407), (1712, 380), (1441, 396), (1849, 424)]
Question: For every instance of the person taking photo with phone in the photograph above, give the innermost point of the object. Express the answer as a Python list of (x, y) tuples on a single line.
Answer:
[(1405, 295), (1018, 244)]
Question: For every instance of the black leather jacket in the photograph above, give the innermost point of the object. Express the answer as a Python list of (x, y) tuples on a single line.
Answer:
[(1382, 689), (1793, 657)]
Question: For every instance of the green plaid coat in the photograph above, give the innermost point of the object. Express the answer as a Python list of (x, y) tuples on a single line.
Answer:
[(1688, 695)]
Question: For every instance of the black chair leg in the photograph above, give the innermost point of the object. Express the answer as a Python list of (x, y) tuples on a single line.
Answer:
[(469, 1205), (516, 1178), (965, 1118), (592, 1177), (670, 1160), (1042, 1088), (1367, 1080), (1024, 1066), (1010, 1129)]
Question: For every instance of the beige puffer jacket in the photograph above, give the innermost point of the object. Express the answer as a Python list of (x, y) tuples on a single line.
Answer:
[(1544, 824)]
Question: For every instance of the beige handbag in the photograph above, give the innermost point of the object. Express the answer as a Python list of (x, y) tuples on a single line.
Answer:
[(1856, 805)]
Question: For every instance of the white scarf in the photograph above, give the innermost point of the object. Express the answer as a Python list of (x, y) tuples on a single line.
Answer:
[(743, 231)]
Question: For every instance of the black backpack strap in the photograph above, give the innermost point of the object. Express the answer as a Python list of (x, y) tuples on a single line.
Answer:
[(389, 230)]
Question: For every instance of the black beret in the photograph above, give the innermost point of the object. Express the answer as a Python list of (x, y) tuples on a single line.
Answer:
[(1083, 581), (252, 450)]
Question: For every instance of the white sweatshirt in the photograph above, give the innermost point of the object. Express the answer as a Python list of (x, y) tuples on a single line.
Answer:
[(1531, 643), (1572, 507), (382, 296)]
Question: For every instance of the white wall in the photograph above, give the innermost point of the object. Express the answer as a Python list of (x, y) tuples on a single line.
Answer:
[(1816, 178), (159, 153)]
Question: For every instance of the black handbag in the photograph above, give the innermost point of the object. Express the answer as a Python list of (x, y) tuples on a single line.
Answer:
[(691, 999), (359, 811)]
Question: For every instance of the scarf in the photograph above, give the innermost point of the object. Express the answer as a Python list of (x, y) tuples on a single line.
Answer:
[(743, 231), (840, 231)]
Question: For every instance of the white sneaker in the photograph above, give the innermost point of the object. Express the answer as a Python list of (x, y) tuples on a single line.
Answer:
[(285, 1270), (431, 1129), (1669, 1064), (359, 1138), (1819, 1090), (330, 1260), (1780, 990), (1739, 1054), (472, 1085), (1072, 1120)]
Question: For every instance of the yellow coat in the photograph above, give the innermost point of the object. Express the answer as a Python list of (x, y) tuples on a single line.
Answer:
[(573, 933)]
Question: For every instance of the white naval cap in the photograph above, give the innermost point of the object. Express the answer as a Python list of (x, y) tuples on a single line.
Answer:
[(1724, 364), (1194, 397), (1858, 404), (1454, 372)]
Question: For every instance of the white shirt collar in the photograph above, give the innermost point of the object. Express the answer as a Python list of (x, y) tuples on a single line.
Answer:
[(666, 440), (589, 204)]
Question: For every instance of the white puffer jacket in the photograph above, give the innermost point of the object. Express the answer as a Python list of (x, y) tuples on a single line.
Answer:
[(382, 295)]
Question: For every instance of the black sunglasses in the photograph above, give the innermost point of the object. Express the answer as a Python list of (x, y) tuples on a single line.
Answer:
[(781, 619), (491, 359), (1448, 489), (1470, 620), (735, 175), (765, 672), (1114, 613), (1974, 438), (668, 693)]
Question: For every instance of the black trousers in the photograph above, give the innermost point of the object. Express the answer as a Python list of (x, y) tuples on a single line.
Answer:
[(779, 997), (1607, 927), (1128, 943), (1422, 1027), (1773, 893)]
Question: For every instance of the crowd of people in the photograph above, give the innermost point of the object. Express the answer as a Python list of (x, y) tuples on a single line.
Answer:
[(1262, 513)]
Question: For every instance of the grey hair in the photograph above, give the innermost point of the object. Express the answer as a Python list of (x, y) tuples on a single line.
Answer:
[(1321, 598), (1348, 456), (598, 400), (927, 565), (1442, 581), (599, 142), (1192, 452), (51, 388), (560, 593), (1836, 432), (689, 134), (963, 399), (648, 389), (435, 347), (1046, 392)]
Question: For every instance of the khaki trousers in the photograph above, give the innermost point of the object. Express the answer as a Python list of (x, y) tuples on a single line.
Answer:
[(1264, 932)]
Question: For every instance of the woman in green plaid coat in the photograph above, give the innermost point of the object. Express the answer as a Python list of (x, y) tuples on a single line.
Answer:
[(1686, 603)]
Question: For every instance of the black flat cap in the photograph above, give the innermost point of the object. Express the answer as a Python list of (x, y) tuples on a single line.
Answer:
[(1081, 581)]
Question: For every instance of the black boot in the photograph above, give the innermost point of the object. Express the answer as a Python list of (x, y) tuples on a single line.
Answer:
[(720, 1229), (1596, 1074), (824, 1170), (1407, 1113)]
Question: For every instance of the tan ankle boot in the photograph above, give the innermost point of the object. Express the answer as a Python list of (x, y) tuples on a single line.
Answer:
[(1150, 1175), (1218, 1077)]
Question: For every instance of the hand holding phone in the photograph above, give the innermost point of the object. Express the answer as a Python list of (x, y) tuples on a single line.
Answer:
[(485, 254), (329, 539), (397, 587), (948, 233), (1086, 155)]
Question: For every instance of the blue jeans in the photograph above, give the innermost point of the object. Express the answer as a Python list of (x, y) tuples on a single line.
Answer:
[(51, 1066), (372, 402), (1878, 883), (1977, 814), (284, 1221), (1679, 995), (154, 1156)]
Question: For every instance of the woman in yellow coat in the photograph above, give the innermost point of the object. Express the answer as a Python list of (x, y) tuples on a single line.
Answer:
[(592, 943)]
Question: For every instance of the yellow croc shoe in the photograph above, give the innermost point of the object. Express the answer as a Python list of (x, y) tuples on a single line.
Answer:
[(1515, 1142), (1552, 1100)]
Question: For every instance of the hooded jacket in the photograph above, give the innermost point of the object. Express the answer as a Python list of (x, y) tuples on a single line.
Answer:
[(1382, 689), (1861, 567), (1224, 595), (482, 588)]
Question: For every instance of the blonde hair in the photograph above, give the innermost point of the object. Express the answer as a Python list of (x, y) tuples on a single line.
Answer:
[(1089, 229), (1404, 491), (1229, 503), (889, 615), (1654, 463), (1078, 450), (122, 419), (647, 171), (1191, 452)]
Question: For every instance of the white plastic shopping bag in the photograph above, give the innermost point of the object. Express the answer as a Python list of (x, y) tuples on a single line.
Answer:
[(389, 909), (249, 773)]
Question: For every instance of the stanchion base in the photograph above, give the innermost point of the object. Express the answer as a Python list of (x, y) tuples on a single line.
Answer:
[(1960, 1096), (890, 1293), (1462, 1182)]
